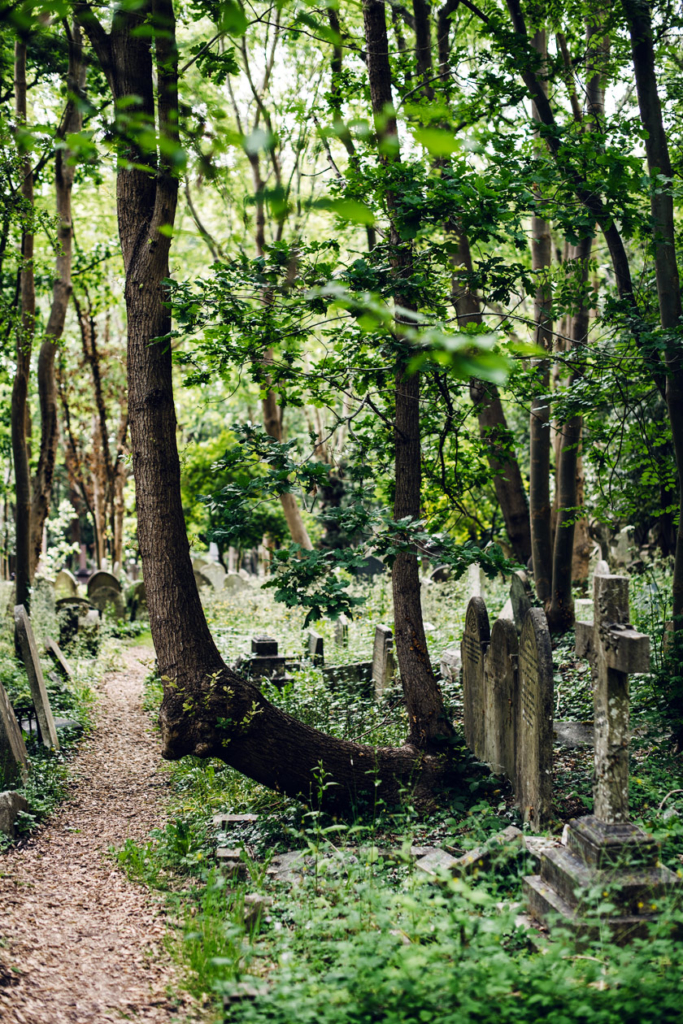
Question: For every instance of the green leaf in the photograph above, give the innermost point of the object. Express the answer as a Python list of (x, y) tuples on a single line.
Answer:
[(437, 141), (347, 209)]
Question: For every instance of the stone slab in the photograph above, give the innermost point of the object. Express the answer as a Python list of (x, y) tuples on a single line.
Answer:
[(500, 699), (11, 804), (316, 647), (13, 754), (34, 671), (573, 734), (534, 735), (550, 909), (54, 651), (383, 662), (473, 648), (233, 819)]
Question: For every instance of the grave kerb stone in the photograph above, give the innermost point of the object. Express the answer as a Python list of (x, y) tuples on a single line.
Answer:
[(34, 671), (473, 648), (534, 717)]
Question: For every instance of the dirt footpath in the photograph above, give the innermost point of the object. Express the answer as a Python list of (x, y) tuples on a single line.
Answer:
[(78, 941)]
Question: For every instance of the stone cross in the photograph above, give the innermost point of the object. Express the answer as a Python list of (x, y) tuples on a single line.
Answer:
[(534, 716), (316, 650), (383, 664), (29, 654), (501, 699), (13, 756), (473, 648), (615, 650)]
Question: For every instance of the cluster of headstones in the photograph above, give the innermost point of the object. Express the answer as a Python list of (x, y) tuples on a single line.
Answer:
[(508, 719), (13, 754), (212, 575)]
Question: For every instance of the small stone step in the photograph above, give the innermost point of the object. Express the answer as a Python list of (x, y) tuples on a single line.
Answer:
[(230, 861), (220, 820)]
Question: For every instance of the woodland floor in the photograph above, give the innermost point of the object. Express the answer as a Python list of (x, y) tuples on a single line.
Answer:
[(81, 943)]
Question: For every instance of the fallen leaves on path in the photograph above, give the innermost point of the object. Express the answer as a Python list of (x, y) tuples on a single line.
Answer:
[(81, 943)]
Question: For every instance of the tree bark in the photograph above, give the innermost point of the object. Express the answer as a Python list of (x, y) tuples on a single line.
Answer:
[(666, 270), (207, 710), (61, 291), (428, 724), (498, 440), (539, 422), (24, 339)]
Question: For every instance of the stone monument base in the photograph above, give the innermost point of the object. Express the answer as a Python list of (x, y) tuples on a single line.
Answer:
[(617, 862)]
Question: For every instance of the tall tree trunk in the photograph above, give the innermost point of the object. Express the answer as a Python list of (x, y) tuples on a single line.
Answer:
[(423, 698), (497, 438), (664, 242), (207, 710), (25, 331), (61, 291), (539, 423)]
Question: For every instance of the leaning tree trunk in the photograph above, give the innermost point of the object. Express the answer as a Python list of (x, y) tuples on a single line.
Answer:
[(24, 335), (663, 231), (61, 290), (207, 710), (428, 722), (539, 422)]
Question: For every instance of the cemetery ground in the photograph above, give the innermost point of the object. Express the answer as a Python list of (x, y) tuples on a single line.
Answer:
[(347, 929)]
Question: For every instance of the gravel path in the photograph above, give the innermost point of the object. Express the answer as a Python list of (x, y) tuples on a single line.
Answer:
[(78, 941)]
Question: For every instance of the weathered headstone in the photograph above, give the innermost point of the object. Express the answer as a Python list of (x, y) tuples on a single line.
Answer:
[(383, 664), (10, 805), (104, 589), (534, 714), (55, 652), (520, 597), (441, 574), (450, 663), (475, 642), (265, 661), (623, 549), (475, 580), (43, 597), (234, 583), (500, 699), (341, 631), (72, 613), (13, 756), (316, 649), (216, 574), (34, 671), (65, 584)]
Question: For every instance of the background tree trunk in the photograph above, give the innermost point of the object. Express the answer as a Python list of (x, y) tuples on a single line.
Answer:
[(61, 290), (24, 336)]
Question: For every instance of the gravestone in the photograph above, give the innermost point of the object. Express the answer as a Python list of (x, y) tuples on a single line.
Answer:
[(450, 663), (13, 756), (265, 661), (473, 648), (202, 580), (475, 580), (520, 597), (500, 699), (341, 631), (605, 853), (104, 589), (234, 584), (65, 584), (383, 663), (136, 602), (534, 715), (316, 649), (34, 671), (43, 599), (623, 549), (55, 652), (216, 574), (441, 574), (72, 613)]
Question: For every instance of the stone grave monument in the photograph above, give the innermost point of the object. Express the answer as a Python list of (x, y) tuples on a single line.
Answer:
[(54, 651), (534, 726), (77, 615), (521, 597), (13, 756), (104, 589), (473, 649), (34, 671), (605, 852), (265, 662), (500, 698), (383, 663), (341, 631), (65, 584), (316, 649)]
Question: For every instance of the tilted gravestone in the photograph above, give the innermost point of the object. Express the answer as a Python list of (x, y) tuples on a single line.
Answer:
[(55, 652), (605, 853), (501, 699), (473, 649), (13, 756), (520, 597), (383, 663), (316, 649), (534, 720), (29, 654)]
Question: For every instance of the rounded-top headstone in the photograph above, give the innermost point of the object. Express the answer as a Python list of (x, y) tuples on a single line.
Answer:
[(441, 574), (101, 579), (473, 648), (65, 584)]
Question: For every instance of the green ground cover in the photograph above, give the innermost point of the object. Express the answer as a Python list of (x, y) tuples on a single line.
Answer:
[(364, 937)]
